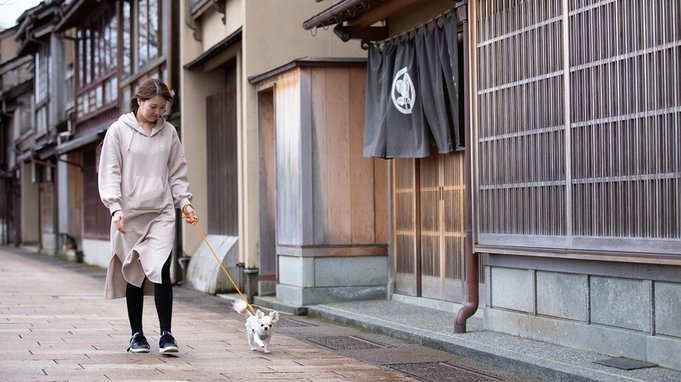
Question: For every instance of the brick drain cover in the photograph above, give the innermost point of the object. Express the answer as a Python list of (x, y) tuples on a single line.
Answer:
[(346, 343), (440, 371)]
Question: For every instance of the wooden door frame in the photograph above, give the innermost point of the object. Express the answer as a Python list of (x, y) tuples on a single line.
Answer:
[(415, 281), (267, 211)]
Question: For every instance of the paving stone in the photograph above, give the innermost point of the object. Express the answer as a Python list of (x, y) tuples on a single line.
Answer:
[(56, 325)]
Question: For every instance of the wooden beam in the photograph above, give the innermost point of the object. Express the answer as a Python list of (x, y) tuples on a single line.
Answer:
[(380, 12), (367, 34)]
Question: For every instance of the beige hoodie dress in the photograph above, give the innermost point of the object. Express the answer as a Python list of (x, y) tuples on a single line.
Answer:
[(146, 177)]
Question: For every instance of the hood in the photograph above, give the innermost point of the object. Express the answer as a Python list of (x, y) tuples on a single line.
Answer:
[(130, 120)]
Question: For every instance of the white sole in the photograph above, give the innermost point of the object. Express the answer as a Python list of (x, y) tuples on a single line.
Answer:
[(170, 349)]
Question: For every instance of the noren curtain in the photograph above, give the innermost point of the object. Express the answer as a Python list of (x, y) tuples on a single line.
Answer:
[(413, 95)]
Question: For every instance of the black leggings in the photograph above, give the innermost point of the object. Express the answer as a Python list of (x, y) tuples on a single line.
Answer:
[(163, 297)]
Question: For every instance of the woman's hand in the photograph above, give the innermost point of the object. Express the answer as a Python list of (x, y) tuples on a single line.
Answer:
[(119, 221), (189, 214)]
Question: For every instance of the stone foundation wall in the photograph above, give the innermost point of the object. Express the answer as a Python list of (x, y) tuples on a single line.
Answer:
[(316, 280), (638, 318)]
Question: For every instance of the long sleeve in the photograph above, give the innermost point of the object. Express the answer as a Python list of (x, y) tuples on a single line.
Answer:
[(177, 173), (109, 179)]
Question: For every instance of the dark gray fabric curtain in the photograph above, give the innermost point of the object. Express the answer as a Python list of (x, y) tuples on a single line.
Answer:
[(412, 96), (407, 135), (449, 60), (374, 120), (438, 65)]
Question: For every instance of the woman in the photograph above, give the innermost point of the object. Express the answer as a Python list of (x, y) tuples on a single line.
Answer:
[(142, 179)]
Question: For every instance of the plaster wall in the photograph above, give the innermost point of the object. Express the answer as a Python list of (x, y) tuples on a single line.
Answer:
[(8, 46), (213, 29), (97, 253), (49, 243)]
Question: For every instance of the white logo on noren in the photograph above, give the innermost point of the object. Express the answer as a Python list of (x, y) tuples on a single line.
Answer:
[(403, 93)]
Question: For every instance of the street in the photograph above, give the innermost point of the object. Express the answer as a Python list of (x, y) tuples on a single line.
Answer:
[(55, 325)]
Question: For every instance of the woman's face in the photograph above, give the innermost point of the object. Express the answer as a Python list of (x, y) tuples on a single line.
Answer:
[(152, 108)]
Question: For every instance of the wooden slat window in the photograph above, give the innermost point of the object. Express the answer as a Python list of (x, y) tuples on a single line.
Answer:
[(142, 29), (521, 122), (598, 168), (97, 64), (96, 217)]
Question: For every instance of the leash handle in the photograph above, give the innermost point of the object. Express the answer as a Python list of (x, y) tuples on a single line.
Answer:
[(195, 222)]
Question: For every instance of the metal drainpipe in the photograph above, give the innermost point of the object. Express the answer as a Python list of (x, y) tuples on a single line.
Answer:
[(471, 258)]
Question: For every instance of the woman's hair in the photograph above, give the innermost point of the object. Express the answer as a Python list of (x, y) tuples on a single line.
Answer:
[(150, 88)]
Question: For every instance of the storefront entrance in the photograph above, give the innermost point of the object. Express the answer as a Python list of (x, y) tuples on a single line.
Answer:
[(428, 226)]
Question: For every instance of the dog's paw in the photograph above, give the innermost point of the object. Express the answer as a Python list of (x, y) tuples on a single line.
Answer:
[(260, 343), (267, 351), (254, 349)]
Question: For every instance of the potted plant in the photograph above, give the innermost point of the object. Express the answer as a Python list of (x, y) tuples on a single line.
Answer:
[(69, 242)]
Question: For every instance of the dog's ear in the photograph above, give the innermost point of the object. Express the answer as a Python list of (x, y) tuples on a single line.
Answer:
[(259, 314), (275, 316)]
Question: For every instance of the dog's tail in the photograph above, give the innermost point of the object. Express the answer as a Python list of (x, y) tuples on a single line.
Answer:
[(241, 307)]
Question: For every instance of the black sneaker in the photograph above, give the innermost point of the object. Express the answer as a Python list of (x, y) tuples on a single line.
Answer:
[(138, 343), (167, 343)]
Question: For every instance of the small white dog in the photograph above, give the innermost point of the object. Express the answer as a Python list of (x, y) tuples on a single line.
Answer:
[(258, 325)]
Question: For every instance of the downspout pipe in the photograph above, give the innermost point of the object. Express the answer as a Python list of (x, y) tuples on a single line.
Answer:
[(472, 278)]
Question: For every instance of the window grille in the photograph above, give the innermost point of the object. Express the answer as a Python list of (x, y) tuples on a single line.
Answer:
[(579, 119), (97, 63), (142, 23)]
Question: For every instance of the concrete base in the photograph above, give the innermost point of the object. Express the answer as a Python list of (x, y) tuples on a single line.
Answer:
[(204, 272), (70, 255), (311, 280), (267, 288), (97, 252), (49, 244), (314, 296), (251, 284)]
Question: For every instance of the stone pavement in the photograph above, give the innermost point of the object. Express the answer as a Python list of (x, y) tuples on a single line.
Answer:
[(55, 326), (434, 329)]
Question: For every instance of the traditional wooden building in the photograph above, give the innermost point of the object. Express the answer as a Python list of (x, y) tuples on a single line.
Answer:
[(426, 191), (323, 209), (572, 119), (42, 118), (116, 45), (224, 43), (16, 92)]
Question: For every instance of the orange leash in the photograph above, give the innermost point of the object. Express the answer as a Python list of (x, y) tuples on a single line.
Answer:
[(196, 223)]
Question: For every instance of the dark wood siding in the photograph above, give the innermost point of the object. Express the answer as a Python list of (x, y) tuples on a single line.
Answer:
[(267, 191), (222, 163), (96, 219)]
